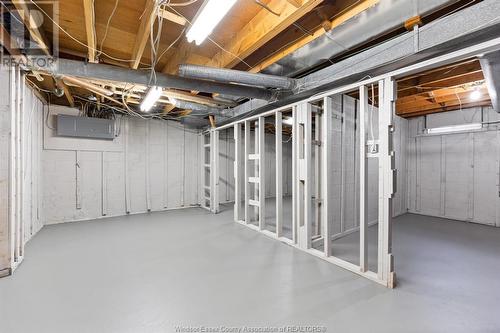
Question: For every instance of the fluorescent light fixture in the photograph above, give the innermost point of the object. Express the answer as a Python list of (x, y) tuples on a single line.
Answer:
[(152, 96), (207, 19), (475, 95), (287, 121), (455, 128)]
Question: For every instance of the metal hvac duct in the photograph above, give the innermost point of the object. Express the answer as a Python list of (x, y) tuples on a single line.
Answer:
[(490, 63), (195, 106), (235, 76), (113, 73), (386, 16)]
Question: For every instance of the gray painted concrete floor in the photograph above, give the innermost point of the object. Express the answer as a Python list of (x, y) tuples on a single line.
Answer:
[(148, 273)]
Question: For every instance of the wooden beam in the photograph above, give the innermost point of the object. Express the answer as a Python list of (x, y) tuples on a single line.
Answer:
[(443, 77), (340, 19), (211, 118), (296, 3), (260, 30), (36, 32), (445, 108), (441, 99), (172, 17), (67, 93), (143, 33), (412, 22), (168, 108), (89, 16)]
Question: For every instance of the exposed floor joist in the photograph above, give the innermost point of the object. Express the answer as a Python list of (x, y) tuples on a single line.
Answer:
[(261, 29), (148, 18), (89, 16), (351, 12)]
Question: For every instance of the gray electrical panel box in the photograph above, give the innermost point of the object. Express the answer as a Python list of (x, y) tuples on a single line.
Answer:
[(85, 127)]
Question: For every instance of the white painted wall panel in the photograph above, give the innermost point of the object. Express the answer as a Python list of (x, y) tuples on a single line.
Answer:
[(175, 166), (156, 165), (114, 176), (90, 164), (58, 186), (486, 170), (136, 164), (455, 175), (149, 167)]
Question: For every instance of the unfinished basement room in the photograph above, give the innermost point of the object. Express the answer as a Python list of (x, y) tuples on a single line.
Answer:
[(250, 166)]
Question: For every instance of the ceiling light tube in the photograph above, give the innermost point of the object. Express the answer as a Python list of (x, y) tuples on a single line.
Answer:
[(152, 96), (212, 12), (455, 128), (476, 95)]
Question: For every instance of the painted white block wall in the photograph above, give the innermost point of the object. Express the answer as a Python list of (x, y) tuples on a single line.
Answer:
[(455, 176), (151, 166)]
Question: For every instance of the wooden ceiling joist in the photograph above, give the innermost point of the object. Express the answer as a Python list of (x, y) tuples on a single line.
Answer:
[(440, 100), (36, 32), (89, 16), (261, 29), (356, 9), (148, 17), (167, 15), (448, 76)]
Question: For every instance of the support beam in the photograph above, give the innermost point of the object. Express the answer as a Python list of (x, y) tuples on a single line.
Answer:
[(36, 32), (260, 30), (326, 175), (261, 130), (148, 18), (386, 182), (214, 171), (247, 171), (304, 174), (279, 174), (237, 171), (335, 22), (363, 180), (89, 16)]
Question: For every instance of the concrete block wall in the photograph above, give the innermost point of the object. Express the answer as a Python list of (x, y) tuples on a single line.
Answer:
[(151, 166)]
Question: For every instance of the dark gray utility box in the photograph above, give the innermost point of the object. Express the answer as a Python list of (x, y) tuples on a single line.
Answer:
[(85, 127)]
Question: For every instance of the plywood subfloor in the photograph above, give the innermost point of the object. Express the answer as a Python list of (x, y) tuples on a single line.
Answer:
[(149, 273)]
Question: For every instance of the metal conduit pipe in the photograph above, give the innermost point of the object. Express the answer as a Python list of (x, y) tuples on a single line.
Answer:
[(113, 73), (235, 76)]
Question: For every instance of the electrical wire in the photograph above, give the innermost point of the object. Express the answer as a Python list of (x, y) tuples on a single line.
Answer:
[(107, 27), (76, 40), (210, 39)]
